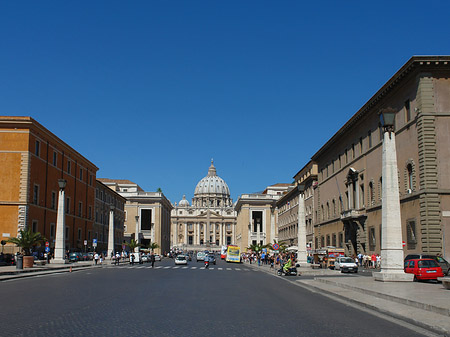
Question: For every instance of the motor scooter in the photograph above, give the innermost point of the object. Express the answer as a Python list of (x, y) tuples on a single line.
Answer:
[(206, 264), (290, 272)]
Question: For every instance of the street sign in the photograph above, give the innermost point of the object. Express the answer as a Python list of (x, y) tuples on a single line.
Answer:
[(85, 242), (403, 243), (46, 244), (275, 246), (47, 249), (94, 243)]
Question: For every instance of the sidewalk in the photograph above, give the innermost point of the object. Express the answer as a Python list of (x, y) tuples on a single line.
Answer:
[(10, 272), (421, 303)]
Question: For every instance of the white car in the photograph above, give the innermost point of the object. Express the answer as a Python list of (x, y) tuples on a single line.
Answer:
[(181, 259), (345, 264), (157, 257)]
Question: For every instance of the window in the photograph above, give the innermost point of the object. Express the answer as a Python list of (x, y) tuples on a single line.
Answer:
[(341, 240), (407, 111), (55, 158), (372, 240), (322, 241), (190, 239), (53, 202), (146, 219), (79, 234), (80, 209), (409, 172), (36, 194), (90, 212), (34, 226), (381, 188), (346, 157), (411, 234), (333, 240), (67, 233), (68, 166), (361, 195), (360, 145), (353, 151), (371, 196), (90, 180), (52, 230), (37, 148), (81, 174), (68, 205), (369, 136)]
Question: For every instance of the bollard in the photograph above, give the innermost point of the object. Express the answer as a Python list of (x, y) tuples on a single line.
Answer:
[(19, 261)]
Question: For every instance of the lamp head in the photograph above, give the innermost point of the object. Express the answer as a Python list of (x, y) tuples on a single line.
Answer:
[(387, 117), (62, 183)]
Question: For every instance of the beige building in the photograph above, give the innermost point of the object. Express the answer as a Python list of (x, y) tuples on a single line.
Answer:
[(105, 197), (347, 200), (287, 207), (147, 214), (257, 216), (210, 221)]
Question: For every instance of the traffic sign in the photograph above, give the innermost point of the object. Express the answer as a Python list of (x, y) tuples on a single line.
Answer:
[(47, 249), (94, 243), (275, 246), (403, 243), (85, 242), (46, 244)]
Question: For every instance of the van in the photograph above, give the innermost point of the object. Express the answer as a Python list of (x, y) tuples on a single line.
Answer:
[(345, 264)]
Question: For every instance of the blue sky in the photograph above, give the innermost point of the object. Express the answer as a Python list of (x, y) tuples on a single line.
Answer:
[(150, 91)]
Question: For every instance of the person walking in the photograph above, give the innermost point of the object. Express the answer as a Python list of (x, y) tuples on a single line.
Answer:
[(96, 257), (117, 258), (152, 259)]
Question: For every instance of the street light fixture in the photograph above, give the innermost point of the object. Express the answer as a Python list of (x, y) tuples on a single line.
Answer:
[(387, 119), (62, 184)]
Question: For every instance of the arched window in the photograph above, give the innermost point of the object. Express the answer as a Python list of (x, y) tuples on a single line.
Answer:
[(371, 194), (409, 175)]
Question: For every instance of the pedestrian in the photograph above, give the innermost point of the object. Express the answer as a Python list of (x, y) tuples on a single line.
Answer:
[(101, 258), (152, 259), (132, 259), (117, 258), (96, 257), (373, 258)]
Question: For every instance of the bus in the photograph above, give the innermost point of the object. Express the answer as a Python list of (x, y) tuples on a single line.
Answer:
[(233, 254), (223, 252)]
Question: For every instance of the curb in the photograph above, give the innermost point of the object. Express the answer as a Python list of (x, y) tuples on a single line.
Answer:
[(33, 273)]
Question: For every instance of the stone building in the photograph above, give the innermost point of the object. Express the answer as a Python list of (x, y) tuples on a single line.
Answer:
[(257, 216), (105, 197), (347, 200), (32, 160), (210, 221), (147, 214), (287, 207)]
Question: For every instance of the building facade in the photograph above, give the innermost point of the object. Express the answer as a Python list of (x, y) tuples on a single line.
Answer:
[(147, 214), (347, 198), (105, 197), (33, 159), (287, 207), (210, 221), (257, 216)]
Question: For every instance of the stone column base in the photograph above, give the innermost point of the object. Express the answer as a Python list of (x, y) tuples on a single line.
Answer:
[(59, 261), (390, 276)]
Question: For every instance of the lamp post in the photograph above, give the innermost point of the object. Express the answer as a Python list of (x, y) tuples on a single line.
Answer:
[(136, 250), (111, 231), (302, 258), (391, 226), (60, 240)]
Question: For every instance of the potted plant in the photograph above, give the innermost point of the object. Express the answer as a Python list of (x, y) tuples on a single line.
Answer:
[(26, 241)]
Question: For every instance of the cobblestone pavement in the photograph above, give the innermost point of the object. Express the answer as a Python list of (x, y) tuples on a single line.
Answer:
[(169, 301)]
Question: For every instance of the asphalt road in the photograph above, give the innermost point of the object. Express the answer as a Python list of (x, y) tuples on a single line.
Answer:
[(225, 300)]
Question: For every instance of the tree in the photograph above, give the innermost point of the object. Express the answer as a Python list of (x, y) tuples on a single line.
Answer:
[(258, 247), (27, 240), (153, 246), (133, 244), (159, 190)]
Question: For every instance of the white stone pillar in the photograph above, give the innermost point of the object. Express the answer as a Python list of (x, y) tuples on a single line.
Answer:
[(175, 239), (186, 241), (391, 226), (111, 231), (301, 234), (214, 233), (60, 240), (272, 227)]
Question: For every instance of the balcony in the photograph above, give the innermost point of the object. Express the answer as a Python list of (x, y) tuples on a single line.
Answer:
[(352, 214)]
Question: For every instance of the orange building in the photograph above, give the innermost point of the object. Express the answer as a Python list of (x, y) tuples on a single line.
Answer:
[(32, 160)]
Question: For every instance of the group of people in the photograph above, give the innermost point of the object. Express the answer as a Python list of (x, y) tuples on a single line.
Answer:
[(368, 261), (286, 259)]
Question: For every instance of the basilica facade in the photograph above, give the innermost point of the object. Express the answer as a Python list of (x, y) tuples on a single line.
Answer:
[(210, 221)]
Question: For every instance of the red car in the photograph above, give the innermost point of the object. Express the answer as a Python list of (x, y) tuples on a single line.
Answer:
[(423, 269)]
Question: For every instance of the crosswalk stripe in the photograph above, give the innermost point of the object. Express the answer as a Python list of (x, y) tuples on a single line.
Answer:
[(228, 268), (167, 267), (237, 269), (193, 267), (158, 267), (176, 267), (220, 268), (185, 267)]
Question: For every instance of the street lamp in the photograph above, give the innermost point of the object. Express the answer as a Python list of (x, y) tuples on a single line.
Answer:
[(391, 226), (60, 240), (136, 237), (302, 257)]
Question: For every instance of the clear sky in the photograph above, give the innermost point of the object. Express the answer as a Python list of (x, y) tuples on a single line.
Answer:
[(150, 91)]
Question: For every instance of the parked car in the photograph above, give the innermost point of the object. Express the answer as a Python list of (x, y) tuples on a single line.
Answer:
[(440, 260), (87, 256), (7, 260), (157, 257), (145, 258), (75, 257), (423, 269), (200, 256), (345, 264), (181, 259)]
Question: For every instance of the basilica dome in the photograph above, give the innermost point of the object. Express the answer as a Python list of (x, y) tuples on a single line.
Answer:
[(183, 202), (212, 191), (212, 184)]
